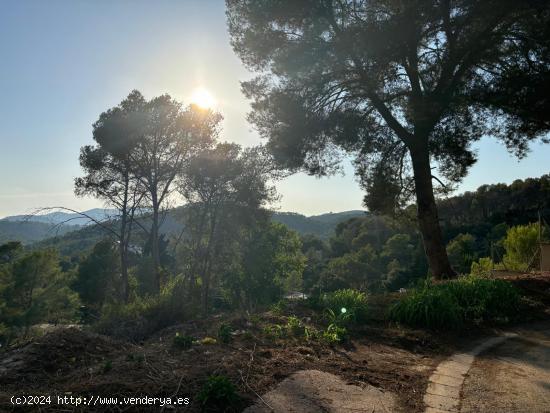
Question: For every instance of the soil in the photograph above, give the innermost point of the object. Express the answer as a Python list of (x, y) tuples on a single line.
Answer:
[(313, 391), (77, 362), (514, 377)]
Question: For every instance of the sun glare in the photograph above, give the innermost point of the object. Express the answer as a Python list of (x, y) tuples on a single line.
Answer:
[(203, 98)]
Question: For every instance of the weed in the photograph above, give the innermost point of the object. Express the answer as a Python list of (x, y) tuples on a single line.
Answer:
[(107, 366), (224, 333), (182, 341), (347, 301), (294, 326), (279, 307), (274, 331), (335, 334), (218, 394)]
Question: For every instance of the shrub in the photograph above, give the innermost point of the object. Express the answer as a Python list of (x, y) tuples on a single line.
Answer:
[(294, 326), (348, 301), (448, 305), (340, 318), (335, 334), (182, 341), (428, 307), (482, 268), (521, 243), (279, 307), (483, 299), (274, 331), (219, 395), (144, 316), (224, 333)]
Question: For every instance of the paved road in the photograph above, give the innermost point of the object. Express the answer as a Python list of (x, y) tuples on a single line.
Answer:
[(513, 377)]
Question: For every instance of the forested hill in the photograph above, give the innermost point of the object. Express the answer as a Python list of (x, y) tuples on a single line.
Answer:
[(319, 225), (28, 231), (514, 204), (471, 212), (71, 238)]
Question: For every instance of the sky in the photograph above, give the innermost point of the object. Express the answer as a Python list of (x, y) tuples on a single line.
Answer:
[(62, 63)]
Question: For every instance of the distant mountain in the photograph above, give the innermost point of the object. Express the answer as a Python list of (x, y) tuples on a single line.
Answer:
[(29, 232), (54, 230), (65, 218), (319, 225)]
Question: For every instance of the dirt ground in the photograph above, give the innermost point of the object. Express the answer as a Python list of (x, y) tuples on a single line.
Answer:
[(80, 363), (76, 362), (313, 391), (514, 377)]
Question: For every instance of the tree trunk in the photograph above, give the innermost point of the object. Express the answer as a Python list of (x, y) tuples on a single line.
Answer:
[(122, 243), (428, 220), (155, 244), (124, 271)]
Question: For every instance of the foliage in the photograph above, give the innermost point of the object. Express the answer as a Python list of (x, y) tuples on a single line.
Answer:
[(279, 307), (271, 256), (224, 333), (347, 301), (357, 270), (182, 341), (294, 327), (461, 251), (483, 298), (448, 305), (96, 280), (274, 331), (521, 244), (218, 394), (482, 268), (397, 107), (145, 315), (226, 189), (339, 318), (429, 307), (34, 289), (335, 334)]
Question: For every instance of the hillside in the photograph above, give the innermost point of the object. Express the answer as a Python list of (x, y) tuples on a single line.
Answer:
[(319, 225), (29, 232), (83, 239), (65, 218)]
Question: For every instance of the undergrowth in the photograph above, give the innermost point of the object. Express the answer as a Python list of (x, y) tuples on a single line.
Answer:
[(452, 304)]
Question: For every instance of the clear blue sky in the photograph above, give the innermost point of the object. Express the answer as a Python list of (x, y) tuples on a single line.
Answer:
[(64, 62)]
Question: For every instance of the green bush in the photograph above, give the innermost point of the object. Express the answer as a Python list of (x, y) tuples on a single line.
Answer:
[(484, 299), (274, 331), (279, 307), (294, 327), (482, 268), (144, 316), (335, 334), (224, 333), (347, 301), (449, 305), (521, 243), (428, 307), (182, 341), (218, 395)]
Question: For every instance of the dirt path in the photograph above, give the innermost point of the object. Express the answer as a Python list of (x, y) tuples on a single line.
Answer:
[(512, 377), (313, 391)]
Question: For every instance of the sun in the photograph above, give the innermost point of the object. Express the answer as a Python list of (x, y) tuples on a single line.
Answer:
[(203, 98)]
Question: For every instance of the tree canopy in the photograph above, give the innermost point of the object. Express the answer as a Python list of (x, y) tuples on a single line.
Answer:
[(402, 86)]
